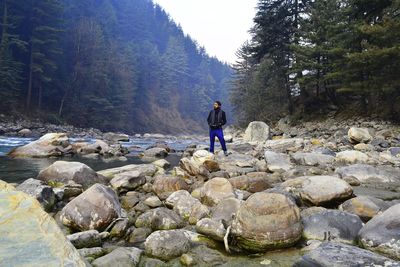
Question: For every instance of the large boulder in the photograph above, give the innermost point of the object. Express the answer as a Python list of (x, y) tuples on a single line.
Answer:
[(128, 180), (155, 152), (251, 184), (277, 162), (267, 221), (332, 225), (49, 145), (351, 157), (367, 173), (333, 254), (116, 137), (366, 207), (167, 245), (257, 131), (29, 236), (165, 185), (211, 228), (359, 135), (159, 219), (94, 209), (284, 145), (381, 233), (216, 190), (313, 159), (226, 210), (86, 239), (145, 169), (43, 193), (65, 172), (196, 164)]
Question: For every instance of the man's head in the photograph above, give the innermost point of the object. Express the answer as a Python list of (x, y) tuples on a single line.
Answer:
[(217, 105)]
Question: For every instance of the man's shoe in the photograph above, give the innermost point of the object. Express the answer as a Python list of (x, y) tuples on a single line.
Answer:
[(226, 153)]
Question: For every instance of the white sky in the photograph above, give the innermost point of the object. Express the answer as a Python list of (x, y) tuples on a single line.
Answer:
[(221, 26)]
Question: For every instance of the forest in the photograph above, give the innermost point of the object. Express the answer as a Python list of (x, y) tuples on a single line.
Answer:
[(314, 57), (110, 64)]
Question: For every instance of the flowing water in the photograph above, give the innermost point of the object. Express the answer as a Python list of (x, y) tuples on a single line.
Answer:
[(18, 170)]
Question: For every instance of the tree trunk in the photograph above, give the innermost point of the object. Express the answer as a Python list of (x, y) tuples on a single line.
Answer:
[(29, 94)]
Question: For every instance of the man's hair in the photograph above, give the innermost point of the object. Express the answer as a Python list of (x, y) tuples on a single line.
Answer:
[(219, 103)]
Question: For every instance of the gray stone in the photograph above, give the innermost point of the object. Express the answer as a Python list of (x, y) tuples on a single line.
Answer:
[(120, 227), (381, 233), (216, 190), (211, 228), (159, 219), (351, 157), (120, 257), (277, 162), (153, 202), (129, 180), (94, 209), (367, 173), (366, 207), (257, 131), (284, 145), (165, 185), (43, 193), (115, 137), (86, 239), (167, 245), (359, 135), (145, 169), (139, 235), (313, 159), (94, 253), (332, 225), (156, 152), (332, 254)]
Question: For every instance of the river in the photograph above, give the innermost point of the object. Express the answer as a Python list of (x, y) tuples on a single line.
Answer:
[(18, 170)]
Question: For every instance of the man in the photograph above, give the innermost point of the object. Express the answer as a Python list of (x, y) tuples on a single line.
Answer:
[(216, 119)]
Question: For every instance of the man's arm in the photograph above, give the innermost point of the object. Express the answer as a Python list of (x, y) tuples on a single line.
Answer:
[(223, 118), (209, 118)]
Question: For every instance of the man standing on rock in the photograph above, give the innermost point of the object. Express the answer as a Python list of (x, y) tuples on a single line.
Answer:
[(216, 119)]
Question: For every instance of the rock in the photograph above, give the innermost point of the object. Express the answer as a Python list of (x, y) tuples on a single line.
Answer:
[(86, 239), (284, 145), (187, 207), (319, 190), (159, 219), (193, 168), (395, 151), (115, 137), (203, 256), (26, 229), (130, 200), (359, 135), (332, 225), (342, 255), (211, 228), (313, 159), (165, 185), (43, 193), (167, 245), (251, 184), (145, 169), (49, 145), (351, 157), (64, 172), (127, 181), (228, 138), (266, 221), (25, 132), (153, 202), (366, 173), (364, 147), (211, 165), (156, 152), (151, 262), (94, 209), (120, 227), (139, 235), (162, 163), (366, 207), (381, 233), (94, 253), (120, 257), (277, 162), (257, 131), (216, 190), (226, 210)]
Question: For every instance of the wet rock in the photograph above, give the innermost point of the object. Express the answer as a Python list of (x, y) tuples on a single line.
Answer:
[(366, 207), (156, 152), (277, 162), (211, 228), (165, 185), (203, 256), (94, 209), (25, 133), (43, 193), (162, 163), (64, 172), (167, 245), (116, 137), (159, 219), (342, 255), (126, 256), (266, 221), (359, 135), (216, 190), (26, 229), (381, 233), (332, 225), (86, 239), (49, 145), (257, 131)]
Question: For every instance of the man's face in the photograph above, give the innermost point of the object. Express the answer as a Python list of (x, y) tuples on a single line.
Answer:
[(216, 106)]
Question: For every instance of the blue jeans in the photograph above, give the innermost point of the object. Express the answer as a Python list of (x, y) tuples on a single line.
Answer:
[(217, 133)]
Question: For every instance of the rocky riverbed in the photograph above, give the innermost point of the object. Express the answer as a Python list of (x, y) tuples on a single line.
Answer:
[(315, 194)]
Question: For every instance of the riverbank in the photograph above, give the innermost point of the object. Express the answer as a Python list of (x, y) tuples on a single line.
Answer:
[(312, 193)]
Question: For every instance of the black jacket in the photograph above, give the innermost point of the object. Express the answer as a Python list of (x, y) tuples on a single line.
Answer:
[(216, 119)]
